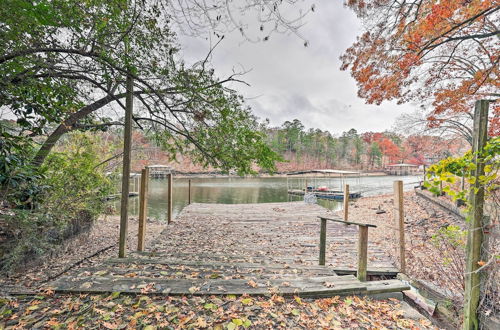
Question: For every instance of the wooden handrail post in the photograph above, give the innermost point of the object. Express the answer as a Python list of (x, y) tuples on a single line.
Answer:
[(362, 252), (169, 198), (143, 208), (346, 202), (399, 219), (322, 242), (189, 191)]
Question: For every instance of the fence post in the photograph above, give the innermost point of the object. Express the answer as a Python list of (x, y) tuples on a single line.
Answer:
[(475, 230), (143, 208), (399, 219), (362, 252), (189, 191), (127, 150), (169, 198), (425, 178), (322, 242), (346, 202)]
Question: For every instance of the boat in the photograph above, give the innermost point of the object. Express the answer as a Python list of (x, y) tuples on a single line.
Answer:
[(313, 182)]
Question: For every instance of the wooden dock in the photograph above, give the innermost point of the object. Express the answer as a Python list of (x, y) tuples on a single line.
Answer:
[(255, 249)]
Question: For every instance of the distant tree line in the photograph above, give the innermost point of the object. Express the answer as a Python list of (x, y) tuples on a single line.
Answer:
[(310, 148)]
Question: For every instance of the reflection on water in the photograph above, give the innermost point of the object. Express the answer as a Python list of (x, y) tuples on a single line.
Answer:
[(249, 190)]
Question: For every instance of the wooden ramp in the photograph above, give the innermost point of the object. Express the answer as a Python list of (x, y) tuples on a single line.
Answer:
[(254, 249)]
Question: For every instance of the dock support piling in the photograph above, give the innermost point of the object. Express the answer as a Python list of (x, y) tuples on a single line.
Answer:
[(346, 202), (169, 198), (189, 191), (143, 208), (362, 252), (322, 243), (399, 222)]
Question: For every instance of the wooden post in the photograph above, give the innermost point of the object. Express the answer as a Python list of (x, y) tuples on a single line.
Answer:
[(322, 243), (399, 219), (127, 142), (475, 230), (423, 183), (346, 202), (169, 198), (189, 191), (362, 252), (143, 208)]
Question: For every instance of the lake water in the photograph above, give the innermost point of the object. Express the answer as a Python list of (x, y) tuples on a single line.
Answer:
[(236, 190)]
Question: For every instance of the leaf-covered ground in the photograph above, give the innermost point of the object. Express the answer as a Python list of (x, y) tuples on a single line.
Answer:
[(90, 247), (118, 311)]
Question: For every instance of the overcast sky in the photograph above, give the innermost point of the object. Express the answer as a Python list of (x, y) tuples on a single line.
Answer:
[(291, 81)]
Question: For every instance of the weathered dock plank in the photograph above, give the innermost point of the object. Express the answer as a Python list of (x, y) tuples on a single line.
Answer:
[(254, 249), (312, 287)]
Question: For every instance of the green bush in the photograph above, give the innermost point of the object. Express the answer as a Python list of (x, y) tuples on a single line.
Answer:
[(74, 178), (19, 186), (72, 196)]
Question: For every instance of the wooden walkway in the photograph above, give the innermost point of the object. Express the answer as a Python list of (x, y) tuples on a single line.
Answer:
[(254, 249)]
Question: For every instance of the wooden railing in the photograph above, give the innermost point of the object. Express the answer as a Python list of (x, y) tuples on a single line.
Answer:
[(143, 204), (362, 244)]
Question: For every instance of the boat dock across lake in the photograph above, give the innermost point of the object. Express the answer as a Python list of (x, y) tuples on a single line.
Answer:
[(324, 184)]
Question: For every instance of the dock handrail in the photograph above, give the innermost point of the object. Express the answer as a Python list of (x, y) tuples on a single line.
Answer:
[(362, 244), (349, 222)]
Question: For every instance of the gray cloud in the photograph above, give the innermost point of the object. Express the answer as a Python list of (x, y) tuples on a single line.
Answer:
[(291, 81)]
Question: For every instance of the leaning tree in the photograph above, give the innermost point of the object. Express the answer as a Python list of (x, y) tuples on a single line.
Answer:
[(65, 61)]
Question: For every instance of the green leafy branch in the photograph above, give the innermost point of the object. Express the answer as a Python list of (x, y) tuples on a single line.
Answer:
[(449, 170)]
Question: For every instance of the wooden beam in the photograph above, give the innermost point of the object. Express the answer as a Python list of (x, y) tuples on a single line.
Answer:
[(362, 252), (143, 208), (348, 222), (322, 242), (346, 202), (169, 198), (475, 230), (127, 143), (399, 219)]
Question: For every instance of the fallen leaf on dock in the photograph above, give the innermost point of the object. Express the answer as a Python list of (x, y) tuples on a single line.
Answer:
[(252, 283)]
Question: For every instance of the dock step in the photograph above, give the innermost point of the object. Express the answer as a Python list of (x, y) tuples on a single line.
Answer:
[(313, 287)]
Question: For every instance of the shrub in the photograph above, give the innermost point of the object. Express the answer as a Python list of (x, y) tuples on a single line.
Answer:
[(71, 191)]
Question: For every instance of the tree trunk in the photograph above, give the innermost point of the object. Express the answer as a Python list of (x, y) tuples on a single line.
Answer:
[(68, 125)]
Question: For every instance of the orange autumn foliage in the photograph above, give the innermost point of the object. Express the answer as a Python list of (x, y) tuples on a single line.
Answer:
[(444, 55)]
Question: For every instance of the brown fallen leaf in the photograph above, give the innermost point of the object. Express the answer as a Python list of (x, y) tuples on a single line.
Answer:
[(194, 289), (252, 284), (131, 275), (109, 325)]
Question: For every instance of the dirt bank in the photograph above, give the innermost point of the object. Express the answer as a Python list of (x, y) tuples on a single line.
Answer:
[(85, 249)]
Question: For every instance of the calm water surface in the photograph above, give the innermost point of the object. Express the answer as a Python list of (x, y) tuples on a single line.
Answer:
[(251, 190)]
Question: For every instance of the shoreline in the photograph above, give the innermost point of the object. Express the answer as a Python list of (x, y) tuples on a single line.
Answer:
[(265, 176)]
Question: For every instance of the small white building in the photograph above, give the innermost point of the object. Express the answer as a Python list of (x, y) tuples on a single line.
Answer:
[(402, 169)]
